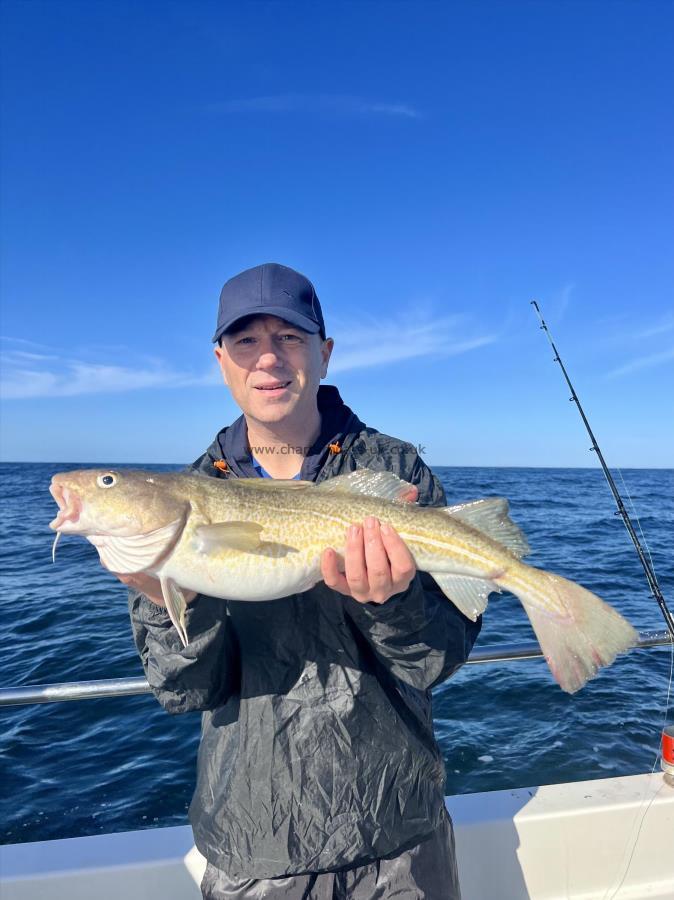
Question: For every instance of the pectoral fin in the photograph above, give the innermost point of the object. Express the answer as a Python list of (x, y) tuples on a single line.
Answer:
[(175, 606), (231, 535), (242, 536), (470, 595)]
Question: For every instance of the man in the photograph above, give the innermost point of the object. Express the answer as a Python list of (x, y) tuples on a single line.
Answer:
[(318, 774)]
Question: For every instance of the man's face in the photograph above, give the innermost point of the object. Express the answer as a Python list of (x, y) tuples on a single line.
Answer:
[(273, 368)]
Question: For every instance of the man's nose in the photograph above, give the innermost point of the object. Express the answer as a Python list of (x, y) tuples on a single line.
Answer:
[(267, 360), (269, 357)]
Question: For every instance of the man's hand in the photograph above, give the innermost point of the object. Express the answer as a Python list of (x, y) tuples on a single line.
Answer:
[(377, 563), (150, 586)]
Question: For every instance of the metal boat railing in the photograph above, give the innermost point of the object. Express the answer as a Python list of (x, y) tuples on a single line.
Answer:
[(127, 687)]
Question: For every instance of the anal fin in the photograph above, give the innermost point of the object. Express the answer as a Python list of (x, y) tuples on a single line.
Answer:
[(175, 606), (470, 595)]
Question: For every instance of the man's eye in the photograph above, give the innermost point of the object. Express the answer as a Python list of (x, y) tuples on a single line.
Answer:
[(290, 337), (245, 340)]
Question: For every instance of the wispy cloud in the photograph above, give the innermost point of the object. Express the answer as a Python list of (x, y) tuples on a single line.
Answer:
[(28, 374), (563, 300), (660, 326), (373, 343), (642, 362), (645, 339), (21, 342), (334, 104), (625, 328)]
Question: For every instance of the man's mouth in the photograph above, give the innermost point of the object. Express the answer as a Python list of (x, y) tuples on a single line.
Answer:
[(276, 386), (70, 505)]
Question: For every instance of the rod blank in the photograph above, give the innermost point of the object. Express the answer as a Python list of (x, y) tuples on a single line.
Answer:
[(645, 562)]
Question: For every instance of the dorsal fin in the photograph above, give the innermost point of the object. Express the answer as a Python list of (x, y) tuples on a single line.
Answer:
[(490, 516), (364, 481), (270, 484)]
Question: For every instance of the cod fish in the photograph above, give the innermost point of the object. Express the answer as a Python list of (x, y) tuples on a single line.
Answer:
[(261, 539)]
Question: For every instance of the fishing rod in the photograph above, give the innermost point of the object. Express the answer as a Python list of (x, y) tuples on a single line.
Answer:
[(645, 562)]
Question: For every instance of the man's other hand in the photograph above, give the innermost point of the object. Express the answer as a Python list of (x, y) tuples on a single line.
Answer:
[(150, 586), (377, 563)]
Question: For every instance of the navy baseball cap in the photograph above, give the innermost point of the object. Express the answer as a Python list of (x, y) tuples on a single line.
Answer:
[(273, 290)]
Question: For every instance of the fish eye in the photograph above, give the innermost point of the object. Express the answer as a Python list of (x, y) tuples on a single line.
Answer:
[(107, 480)]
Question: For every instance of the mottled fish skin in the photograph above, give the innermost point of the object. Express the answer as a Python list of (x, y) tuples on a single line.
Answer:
[(262, 539), (298, 524)]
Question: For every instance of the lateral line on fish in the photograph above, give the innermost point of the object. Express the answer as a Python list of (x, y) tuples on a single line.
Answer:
[(414, 537), (443, 545), (319, 514), (417, 538)]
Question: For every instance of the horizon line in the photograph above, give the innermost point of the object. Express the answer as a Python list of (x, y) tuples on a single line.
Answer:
[(46, 462)]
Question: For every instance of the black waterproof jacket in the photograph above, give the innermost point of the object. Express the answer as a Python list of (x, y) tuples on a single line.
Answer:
[(317, 747)]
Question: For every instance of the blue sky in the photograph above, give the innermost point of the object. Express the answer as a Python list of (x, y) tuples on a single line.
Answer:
[(432, 167)]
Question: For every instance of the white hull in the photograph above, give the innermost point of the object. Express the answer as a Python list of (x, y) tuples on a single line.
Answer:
[(557, 842)]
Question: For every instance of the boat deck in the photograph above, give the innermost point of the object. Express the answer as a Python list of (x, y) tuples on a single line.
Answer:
[(611, 839)]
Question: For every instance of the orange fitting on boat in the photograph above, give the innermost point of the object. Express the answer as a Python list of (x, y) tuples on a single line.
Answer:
[(668, 747), (221, 465), (334, 448)]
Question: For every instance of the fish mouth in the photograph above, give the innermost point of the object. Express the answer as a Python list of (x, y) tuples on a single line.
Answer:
[(70, 505)]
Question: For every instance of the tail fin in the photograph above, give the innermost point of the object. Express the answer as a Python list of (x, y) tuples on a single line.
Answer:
[(577, 631)]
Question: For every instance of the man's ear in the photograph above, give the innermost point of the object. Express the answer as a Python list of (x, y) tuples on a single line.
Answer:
[(326, 352), (217, 350)]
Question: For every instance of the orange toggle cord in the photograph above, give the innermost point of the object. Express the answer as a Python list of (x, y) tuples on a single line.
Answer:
[(221, 465), (334, 448)]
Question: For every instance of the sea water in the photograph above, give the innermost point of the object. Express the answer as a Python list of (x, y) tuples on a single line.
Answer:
[(118, 764)]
